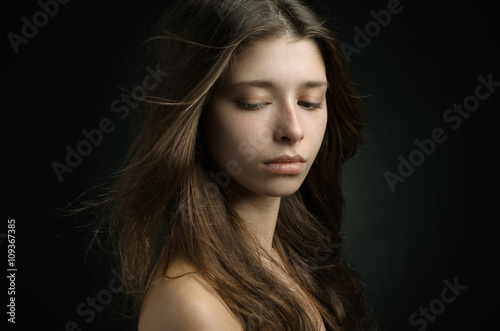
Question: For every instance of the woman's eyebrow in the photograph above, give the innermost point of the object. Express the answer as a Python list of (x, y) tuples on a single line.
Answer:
[(261, 83), (315, 83), (266, 83)]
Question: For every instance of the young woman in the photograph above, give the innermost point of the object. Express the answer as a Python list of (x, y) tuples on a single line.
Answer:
[(227, 214)]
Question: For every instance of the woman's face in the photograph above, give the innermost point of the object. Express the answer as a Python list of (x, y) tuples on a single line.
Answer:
[(266, 122)]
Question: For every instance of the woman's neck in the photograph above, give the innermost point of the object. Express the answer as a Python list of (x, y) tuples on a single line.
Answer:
[(260, 214)]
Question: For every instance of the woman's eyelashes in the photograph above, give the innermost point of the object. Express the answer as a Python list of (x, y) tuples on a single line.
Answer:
[(256, 106), (251, 106), (310, 105)]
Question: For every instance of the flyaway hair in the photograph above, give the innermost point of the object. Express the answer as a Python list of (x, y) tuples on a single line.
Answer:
[(164, 204)]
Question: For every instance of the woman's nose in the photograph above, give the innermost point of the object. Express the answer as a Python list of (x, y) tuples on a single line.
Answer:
[(288, 128)]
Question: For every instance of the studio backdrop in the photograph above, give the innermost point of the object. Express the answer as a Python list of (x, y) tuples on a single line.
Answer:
[(421, 192)]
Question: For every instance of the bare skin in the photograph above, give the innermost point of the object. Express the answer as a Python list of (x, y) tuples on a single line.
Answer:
[(189, 303), (185, 303), (288, 117)]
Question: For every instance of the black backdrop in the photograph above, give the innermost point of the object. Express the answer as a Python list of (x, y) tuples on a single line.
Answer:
[(412, 232)]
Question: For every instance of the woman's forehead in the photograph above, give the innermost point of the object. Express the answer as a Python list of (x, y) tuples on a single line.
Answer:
[(278, 62)]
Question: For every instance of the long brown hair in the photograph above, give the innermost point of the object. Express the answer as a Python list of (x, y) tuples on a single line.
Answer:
[(165, 204)]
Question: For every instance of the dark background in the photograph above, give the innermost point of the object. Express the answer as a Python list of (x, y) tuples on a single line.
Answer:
[(438, 225)]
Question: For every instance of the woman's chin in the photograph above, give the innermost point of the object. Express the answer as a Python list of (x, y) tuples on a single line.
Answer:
[(278, 191)]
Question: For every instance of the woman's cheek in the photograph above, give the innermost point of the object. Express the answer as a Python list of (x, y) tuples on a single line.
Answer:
[(233, 146)]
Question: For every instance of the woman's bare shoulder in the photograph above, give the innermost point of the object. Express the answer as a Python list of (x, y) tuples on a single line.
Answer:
[(184, 303)]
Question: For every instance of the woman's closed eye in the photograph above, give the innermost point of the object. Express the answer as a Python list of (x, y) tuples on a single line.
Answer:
[(256, 106), (310, 105), (250, 106)]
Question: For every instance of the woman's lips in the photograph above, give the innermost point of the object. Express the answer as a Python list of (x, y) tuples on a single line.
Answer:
[(286, 165)]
